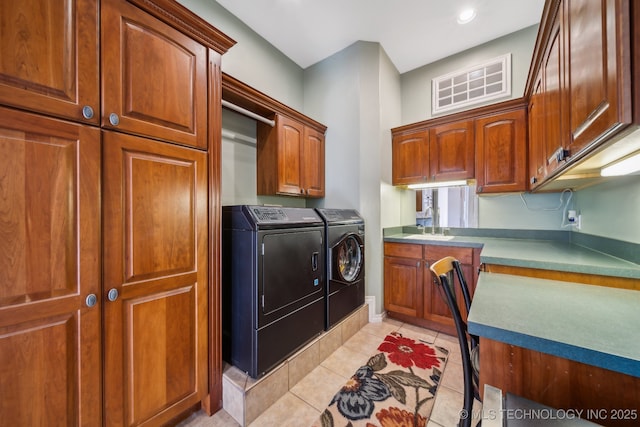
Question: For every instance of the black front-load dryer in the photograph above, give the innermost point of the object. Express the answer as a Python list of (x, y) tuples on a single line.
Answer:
[(345, 263)]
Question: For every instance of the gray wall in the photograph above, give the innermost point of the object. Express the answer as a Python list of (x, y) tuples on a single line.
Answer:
[(356, 93)]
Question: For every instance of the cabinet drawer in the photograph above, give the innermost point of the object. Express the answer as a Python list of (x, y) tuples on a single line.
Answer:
[(434, 253), (403, 250)]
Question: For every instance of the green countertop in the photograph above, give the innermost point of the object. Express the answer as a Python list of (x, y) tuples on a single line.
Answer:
[(531, 253), (590, 324)]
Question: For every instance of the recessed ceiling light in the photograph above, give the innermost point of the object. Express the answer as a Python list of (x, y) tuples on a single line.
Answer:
[(466, 16)]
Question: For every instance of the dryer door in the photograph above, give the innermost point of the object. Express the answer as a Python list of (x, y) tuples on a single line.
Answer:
[(348, 258)]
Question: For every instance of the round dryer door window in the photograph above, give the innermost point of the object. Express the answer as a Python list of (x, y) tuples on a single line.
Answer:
[(349, 259)]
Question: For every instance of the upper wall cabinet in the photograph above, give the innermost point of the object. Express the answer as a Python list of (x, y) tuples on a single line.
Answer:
[(291, 149), (487, 143), (50, 57), (501, 152), (136, 46), (410, 157), (451, 151), (598, 73), (290, 159), (425, 153), (580, 86)]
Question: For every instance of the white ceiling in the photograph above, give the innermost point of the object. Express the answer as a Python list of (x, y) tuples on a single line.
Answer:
[(412, 32)]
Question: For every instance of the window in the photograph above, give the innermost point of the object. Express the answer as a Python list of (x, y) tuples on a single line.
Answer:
[(480, 83)]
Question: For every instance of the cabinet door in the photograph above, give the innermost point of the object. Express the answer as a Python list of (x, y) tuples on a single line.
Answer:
[(451, 151), (290, 141), (154, 78), (501, 152), (599, 80), (403, 285), (49, 51), (435, 302), (50, 339), (410, 158), (155, 257), (313, 162), (554, 113), (537, 161)]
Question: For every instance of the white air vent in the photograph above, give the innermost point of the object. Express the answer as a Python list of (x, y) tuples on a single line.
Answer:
[(480, 83)]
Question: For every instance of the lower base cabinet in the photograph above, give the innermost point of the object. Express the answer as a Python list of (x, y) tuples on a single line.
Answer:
[(410, 293)]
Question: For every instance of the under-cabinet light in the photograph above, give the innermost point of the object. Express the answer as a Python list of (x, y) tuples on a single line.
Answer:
[(438, 184), (623, 167)]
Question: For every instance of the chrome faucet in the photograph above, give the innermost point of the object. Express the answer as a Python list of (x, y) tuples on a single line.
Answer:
[(433, 217)]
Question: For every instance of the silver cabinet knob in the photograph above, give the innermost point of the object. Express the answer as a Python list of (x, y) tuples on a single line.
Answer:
[(87, 112), (112, 295), (91, 300), (114, 119)]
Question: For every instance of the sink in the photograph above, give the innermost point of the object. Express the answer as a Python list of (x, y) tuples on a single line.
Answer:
[(430, 237)]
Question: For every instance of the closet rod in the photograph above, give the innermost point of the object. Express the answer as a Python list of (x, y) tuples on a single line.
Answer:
[(248, 113)]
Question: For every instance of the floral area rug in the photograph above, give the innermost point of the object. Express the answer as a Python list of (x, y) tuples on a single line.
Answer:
[(397, 387)]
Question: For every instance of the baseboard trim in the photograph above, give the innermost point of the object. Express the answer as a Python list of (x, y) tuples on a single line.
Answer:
[(373, 316)]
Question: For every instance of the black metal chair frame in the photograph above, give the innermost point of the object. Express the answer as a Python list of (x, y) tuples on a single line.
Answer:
[(442, 271)]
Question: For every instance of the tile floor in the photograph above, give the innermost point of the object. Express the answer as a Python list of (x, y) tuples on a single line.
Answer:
[(303, 403)]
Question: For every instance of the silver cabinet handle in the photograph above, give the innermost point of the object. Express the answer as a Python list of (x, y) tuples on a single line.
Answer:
[(114, 119), (87, 112), (91, 300), (113, 294)]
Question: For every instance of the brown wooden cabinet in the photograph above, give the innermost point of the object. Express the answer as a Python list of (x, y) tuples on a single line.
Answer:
[(155, 270), (50, 293), (154, 78), (501, 152), (50, 57), (410, 293), (487, 143), (410, 157), (123, 329), (598, 75), (451, 151), (290, 159), (433, 153), (537, 160), (579, 85), (403, 279)]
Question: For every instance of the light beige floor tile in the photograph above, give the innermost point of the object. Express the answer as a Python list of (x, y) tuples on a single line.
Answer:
[(345, 362), (418, 333), (330, 342), (288, 411), (304, 362), (363, 313), (201, 419), (382, 329), (451, 344), (235, 375), (446, 410), (453, 376), (319, 387), (265, 393), (233, 399), (365, 343), (350, 326)]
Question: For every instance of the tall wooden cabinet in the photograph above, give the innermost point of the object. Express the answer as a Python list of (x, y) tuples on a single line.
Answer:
[(109, 214), (50, 293)]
